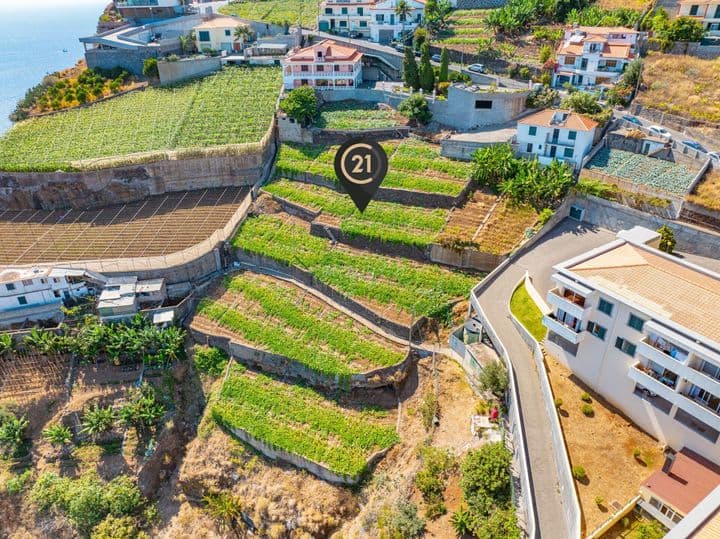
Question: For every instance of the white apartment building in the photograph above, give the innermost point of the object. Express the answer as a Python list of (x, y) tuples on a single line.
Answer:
[(377, 20), (705, 11), (324, 66), (591, 55), (555, 134), (32, 294), (642, 328)]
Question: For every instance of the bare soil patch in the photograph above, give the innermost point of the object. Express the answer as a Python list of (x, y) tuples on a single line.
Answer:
[(707, 192)]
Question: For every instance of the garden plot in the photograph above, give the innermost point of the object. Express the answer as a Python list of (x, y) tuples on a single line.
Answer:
[(414, 166), (274, 315), (384, 221), (465, 30), (396, 288), (29, 376), (301, 421), (233, 106), (275, 11), (354, 115), (641, 170)]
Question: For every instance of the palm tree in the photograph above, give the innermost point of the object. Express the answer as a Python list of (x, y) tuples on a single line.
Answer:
[(402, 10), (185, 43), (242, 33)]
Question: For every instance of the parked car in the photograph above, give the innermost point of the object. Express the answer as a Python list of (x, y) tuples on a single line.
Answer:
[(435, 58), (660, 131), (477, 68), (694, 145), (631, 119), (355, 35), (399, 47), (714, 155)]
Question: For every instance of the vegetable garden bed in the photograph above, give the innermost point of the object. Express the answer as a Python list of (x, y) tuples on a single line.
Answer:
[(414, 166), (277, 316), (408, 289), (233, 106), (352, 115), (300, 421)]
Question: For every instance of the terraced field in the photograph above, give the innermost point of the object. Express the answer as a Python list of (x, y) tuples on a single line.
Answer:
[(233, 106), (357, 115), (275, 11), (465, 30), (641, 170), (384, 221), (414, 165), (159, 225), (277, 316), (395, 287), (301, 421)]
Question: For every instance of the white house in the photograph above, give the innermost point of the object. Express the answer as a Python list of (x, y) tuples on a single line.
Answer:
[(324, 66), (377, 20), (122, 297), (705, 11), (32, 294), (218, 34), (556, 134), (591, 55), (642, 328)]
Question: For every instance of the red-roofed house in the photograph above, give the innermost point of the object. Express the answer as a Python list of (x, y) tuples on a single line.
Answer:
[(685, 480), (324, 66), (588, 55)]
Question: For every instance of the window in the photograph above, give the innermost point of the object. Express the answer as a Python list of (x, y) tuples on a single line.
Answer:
[(336, 67), (483, 104), (363, 24), (10, 286), (572, 135), (22, 300), (597, 330), (227, 32), (625, 346), (204, 35), (43, 280), (529, 147), (56, 293), (359, 11), (380, 18), (343, 24), (343, 11), (694, 10), (605, 307), (304, 69), (636, 322), (56, 280), (320, 69), (717, 13), (27, 282), (328, 11), (532, 131), (568, 152)]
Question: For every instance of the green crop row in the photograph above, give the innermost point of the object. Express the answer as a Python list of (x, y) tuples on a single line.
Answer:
[(300, 421), (384, 221), (412, 287), (275, 11), (356, 115), (278, 318), (232, 106)]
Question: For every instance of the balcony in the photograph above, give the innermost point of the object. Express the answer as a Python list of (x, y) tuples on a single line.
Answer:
[(697, 408), (568, 301), (650, 381), (556, 141), (566, 332), (702, 380), (646, 350)]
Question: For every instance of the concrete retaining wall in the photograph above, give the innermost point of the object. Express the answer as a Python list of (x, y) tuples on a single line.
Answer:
[(287, 367), (291, 131), (689, 48), (188, 68), (701, 215), (465, 258)]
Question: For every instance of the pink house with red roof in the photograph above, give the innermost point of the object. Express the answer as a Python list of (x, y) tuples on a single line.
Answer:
[(324, 66)]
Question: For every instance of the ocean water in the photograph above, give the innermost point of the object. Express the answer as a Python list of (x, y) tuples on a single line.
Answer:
[(34, 35)]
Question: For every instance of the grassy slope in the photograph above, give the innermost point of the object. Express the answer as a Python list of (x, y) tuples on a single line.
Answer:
[(527, 312)]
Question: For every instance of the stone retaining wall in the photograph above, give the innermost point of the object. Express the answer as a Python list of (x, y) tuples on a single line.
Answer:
[(466, 258), (700, 215), (284, 366)]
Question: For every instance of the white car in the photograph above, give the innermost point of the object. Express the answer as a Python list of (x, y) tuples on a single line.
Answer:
[(477, 68), (714, 155), (660, 131)]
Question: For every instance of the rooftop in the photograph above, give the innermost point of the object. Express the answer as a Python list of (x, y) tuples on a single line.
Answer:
[(331, 51), (660, 284), (11, 275), (220, 22), (560, 118), (686, 482)]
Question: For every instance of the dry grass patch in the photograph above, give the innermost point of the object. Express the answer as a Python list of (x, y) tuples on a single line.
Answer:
[(637, 5), (682, 85), (603, 445), (707, 193)]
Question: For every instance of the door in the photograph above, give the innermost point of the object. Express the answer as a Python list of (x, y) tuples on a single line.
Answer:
[(583, 63), (556, 135), (332, 24), (553, 151)]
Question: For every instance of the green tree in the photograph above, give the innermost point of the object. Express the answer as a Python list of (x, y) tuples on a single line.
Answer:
[(410, 70), (98, 420), (404, 522), (667, 239), (416, 108), (436, 14), (225, 509), (493, 164), (85, 502), (494, 378), (546, 52), (57, 434), (444, 65), (143, 411), (633, 73), (186, 43), (684, 29), (242, 33), (651, 529), (419, 37), (486, 478), (150, 68), (501, 524), (582, 103), (117, 528), (301, 105), (427, 74)]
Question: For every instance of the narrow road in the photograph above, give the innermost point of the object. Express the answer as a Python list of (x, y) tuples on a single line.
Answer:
[(567, 240)]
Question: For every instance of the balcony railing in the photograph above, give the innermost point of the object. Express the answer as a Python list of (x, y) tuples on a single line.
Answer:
[(700, 409), (568, 333), (667, 377), (667, 348), (568, 301), (555, 141)]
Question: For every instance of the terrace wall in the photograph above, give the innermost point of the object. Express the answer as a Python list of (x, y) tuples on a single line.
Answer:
[(465, 258), (187, 68), (291, 131), (700, 215), (135, 177), (287, 367)]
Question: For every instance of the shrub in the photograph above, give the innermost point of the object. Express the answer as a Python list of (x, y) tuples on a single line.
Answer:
[(301, 105), (486, 478), (117, 528), (98, 420), (57, 434), (225, 509), (544, 216), (416, 109), (404, 521), (12, 432), (546, 52), (558, 402), (524, 73), (494, 378), (545, 78), (143, 411), (587, 410), (667, 239), (210, 360), (650, 530), (462, 522), (599, 500), (636, 453), (123, 496), (430, 481), (585, 397), (578, 472), (17, 483), (543, 99), (429, 409), (683, 29), (150, 68)]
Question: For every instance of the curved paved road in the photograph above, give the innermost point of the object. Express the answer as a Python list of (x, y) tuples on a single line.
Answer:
[(565, 241)]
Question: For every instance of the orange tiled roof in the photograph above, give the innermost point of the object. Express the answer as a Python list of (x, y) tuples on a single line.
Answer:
[(574, 120), (332, 52)]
